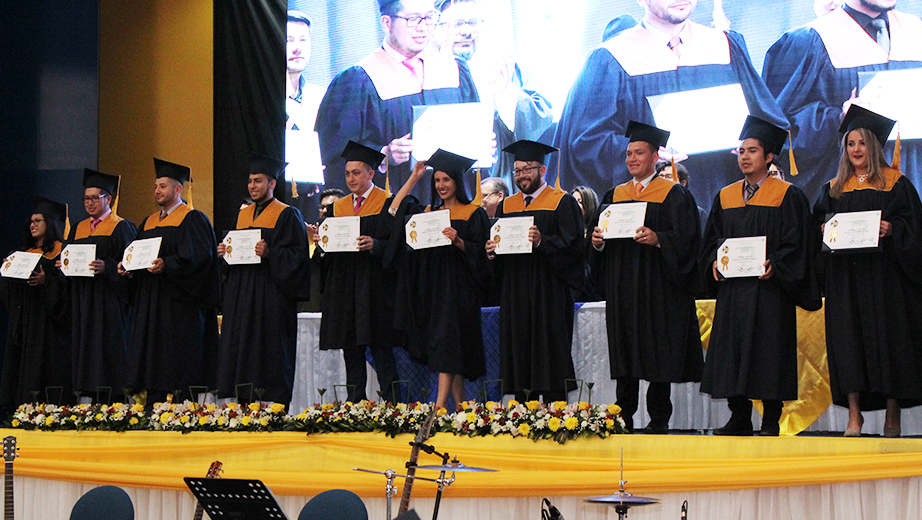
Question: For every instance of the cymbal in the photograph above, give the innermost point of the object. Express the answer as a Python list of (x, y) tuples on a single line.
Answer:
[(457, 466), (622, 498)]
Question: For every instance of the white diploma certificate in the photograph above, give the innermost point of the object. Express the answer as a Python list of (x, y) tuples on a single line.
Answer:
[(240, 246), (511, 235), (19, 265), (461, 128), (339, 234), (622, 220), (852, 230), (141, 254), (302, 151), (702, 120), (76, 258), (893, 94), (741, 257), (424, 230)]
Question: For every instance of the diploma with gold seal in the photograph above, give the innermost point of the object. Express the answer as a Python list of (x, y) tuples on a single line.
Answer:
[(852, 230), (424, 230), (741, 257), (511, 235)]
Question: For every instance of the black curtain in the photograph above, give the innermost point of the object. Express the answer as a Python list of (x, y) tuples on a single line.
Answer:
[(249, 97)]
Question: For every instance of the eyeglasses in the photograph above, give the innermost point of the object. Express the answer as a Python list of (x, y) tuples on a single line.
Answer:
[(413, 21), (521, 171), (459, 24), (92, 198), (36, 221)]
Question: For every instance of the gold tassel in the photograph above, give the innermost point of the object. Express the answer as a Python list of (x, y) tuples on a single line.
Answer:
[(387, 181), (66, 221), (189, 192), (294, 189), (118, 189), (675, 172), (478, 195), (791, 153), (896, 150), (557, 181)]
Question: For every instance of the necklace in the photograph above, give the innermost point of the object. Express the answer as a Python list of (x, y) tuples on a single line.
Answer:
[(863, 178)]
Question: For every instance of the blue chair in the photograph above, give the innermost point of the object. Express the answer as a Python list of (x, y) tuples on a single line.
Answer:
[(335, 504), (103, 503)]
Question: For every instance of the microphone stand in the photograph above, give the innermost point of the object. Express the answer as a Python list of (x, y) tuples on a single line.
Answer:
[(442, 481)]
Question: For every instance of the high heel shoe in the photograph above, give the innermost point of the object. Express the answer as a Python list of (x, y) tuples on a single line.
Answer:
[(855, 432), (892, 432)]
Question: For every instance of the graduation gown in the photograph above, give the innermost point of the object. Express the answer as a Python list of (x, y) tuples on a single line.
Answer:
[(753, 346), (650, 306), (536, 300), (612, 90), (38, 339), (439, 297), (100, 308), (372, 103), (873, 298), (812, 71), (259, 331), (174, 336), (358, 292)]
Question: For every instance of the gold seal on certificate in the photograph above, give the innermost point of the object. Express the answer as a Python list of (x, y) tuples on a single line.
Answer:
[(19, 265), (240, 246), (424, 230), (339, 234), (141, 254), (622, 220), (852, 230), (741, 257), (76, 258), (511, 235)]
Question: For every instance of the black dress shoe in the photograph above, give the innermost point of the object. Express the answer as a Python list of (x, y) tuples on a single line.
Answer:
[(735, 428), (657, 427), (770, 429)]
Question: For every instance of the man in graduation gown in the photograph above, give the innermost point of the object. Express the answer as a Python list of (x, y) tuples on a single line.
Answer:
[(358, 292), (649, 283), (813, 72), (666, 53), (752, 352), (100, 311), (259, 331), (174, 332), (372, 102), (536, 300)]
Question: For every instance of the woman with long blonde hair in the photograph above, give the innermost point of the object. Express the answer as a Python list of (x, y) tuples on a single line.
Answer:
[(872, 294)]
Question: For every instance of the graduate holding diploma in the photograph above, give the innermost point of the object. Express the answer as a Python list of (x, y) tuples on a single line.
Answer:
[(38, 340), (440, 288), (753, 348), (260, 328), (872, 294), (649, 283)]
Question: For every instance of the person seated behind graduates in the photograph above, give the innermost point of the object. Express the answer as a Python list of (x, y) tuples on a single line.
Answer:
[(37, 352), (327, 198), (439, 295), (494, 190), (588, 202), (775, 171), (680, 174)]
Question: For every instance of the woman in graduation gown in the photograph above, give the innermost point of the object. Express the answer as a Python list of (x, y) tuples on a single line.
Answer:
[(873, 296), (440, 288), (37, 344)]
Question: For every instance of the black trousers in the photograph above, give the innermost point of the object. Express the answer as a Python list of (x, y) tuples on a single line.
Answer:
[(659, 404), (357, 376), (741, 410)]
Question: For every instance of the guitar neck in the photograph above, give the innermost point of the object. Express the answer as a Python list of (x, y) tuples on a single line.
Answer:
[(199, 511), (8, 511)]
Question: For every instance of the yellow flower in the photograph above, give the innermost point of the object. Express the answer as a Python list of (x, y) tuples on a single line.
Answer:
[(524, 429), (16, 423), (165, 418), (614, 409), (302, 416), (326, 407), (466, 405), (192, 407), (222, 421), (49, 421), (441, 412), (264, 421), (533, 405), (254, 406), (99, 416), (210, 407), (571, 423), (583, 405), (133, 421), (137, 408), (471, 417), (73, 417), (245, 421), (203, 420), (560, 405), (609, 423), (277, 408), (117, 405), (554, 424), (512, 402), (231, 406), (184, 419), (490, 405)]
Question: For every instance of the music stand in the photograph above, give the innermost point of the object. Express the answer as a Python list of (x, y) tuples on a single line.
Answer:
[(239, 499)]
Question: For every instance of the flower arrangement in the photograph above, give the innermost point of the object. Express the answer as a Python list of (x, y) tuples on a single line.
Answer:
[(560, 421)]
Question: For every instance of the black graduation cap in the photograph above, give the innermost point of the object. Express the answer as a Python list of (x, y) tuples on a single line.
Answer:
[(359, 152), (617, 26), (771, 135), (445, 161), (298, 16), (52, 208), (264, 164), (103, 181), (525, 150), (172, 170), (384, 3), (638, 131), (860, 117)]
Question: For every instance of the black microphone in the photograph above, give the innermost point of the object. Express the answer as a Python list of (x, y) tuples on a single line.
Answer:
[(423, 446), (684, 510)]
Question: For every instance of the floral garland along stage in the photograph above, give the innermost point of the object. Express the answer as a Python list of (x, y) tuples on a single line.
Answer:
[(560, 421)]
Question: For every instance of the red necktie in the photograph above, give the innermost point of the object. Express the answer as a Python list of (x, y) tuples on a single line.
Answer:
[(674, 46), (358, 204), (416, 70), (93, 223)]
